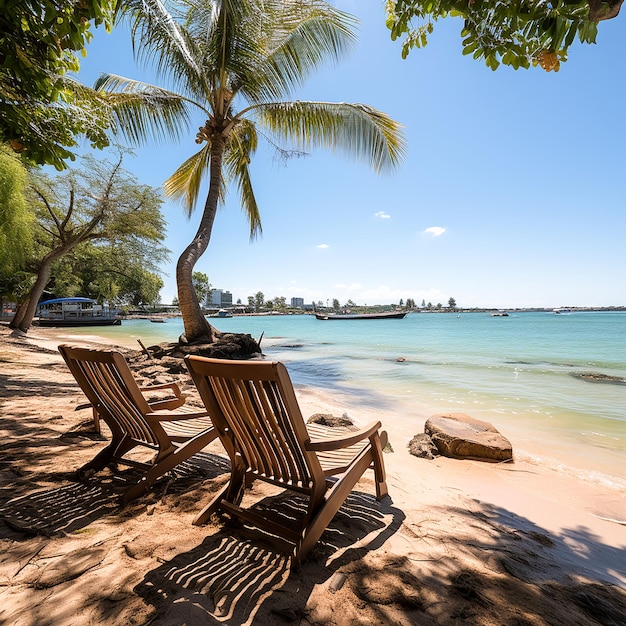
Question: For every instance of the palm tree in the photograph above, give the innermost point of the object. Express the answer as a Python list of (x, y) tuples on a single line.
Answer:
[(236, 62)]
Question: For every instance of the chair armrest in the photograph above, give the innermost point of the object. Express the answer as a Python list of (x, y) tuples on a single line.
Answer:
[(167, 403), (343, 441), (173, 386), (170, 416)]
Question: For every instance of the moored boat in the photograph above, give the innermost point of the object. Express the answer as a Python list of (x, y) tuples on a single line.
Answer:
[(76, 312), (387, 315)]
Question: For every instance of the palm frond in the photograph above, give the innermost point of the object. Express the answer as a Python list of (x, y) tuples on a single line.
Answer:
[(298, 38), (357, 129), (242, 145), (184, 183), (161, 40), (141, 110)]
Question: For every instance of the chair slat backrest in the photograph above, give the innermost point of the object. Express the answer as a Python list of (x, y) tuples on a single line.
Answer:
[(255, 400), (107, 382)]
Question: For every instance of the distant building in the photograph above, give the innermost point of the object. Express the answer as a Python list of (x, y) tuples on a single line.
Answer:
[(297, 303), (221, 298)]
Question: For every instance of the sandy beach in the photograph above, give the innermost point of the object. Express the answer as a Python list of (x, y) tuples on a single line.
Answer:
[(457, 542)]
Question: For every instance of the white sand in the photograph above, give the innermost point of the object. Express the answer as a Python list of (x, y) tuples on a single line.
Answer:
[(457, 540)]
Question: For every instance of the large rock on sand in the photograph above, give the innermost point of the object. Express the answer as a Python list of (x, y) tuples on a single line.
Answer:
[(462, 437)]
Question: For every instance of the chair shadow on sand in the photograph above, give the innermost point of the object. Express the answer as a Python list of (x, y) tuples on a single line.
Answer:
[(241, 574), (73, 506), (52, 512)]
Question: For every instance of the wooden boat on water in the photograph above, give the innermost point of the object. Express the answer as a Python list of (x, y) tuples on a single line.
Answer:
[(387, 315), (62, 312)]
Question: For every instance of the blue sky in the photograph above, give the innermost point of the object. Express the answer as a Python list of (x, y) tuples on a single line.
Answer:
[(511, 195)]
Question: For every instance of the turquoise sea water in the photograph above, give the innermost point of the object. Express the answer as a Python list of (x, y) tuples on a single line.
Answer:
[(521, 373)]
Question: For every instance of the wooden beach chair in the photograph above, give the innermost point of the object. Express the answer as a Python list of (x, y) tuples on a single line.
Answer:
[(255, 410), (174, 432)]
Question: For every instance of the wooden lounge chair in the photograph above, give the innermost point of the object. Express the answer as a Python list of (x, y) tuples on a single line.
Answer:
[(174, 432), (255, 410)]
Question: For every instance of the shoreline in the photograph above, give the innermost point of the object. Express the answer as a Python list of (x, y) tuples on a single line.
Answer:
[(593, 497), (515, 527)]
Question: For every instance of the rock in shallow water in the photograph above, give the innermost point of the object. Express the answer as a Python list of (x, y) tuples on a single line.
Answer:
[(460, 436)]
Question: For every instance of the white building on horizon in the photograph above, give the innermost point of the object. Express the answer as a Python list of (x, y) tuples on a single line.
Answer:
[(221, 298)]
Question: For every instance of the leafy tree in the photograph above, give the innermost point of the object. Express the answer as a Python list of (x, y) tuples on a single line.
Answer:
[(42, 110), (123, 273), (401, 302), (259, 301), (201, 285), (336, 304), (452, 303), (98, 203), (410, 303), (236, 63), (423, 304), (16, 217), (139, 286), (518, 33), (280, 303)]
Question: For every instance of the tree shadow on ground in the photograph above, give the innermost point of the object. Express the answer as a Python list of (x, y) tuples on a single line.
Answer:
[(497, 568), (241, 575)]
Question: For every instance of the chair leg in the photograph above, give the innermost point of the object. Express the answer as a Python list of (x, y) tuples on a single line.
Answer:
[(378, 442), (333, 500), (212, 507), (168, 460), (99, 462), (96, 421), (232, 491)]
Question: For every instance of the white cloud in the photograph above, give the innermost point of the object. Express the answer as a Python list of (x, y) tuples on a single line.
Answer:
[(435, 231), (382, 215), (323, 246)]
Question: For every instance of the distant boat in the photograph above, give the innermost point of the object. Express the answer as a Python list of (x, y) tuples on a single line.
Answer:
[(157, 320), (389, 315), (61, 312), (222, 313), (559, 311), (500, 314)]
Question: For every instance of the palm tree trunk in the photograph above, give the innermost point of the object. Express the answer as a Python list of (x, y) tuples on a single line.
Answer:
[(196, 326)]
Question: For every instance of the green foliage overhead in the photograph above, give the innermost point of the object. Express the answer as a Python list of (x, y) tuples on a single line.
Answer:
[(41, 109), (16, 216), (519, 33)]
